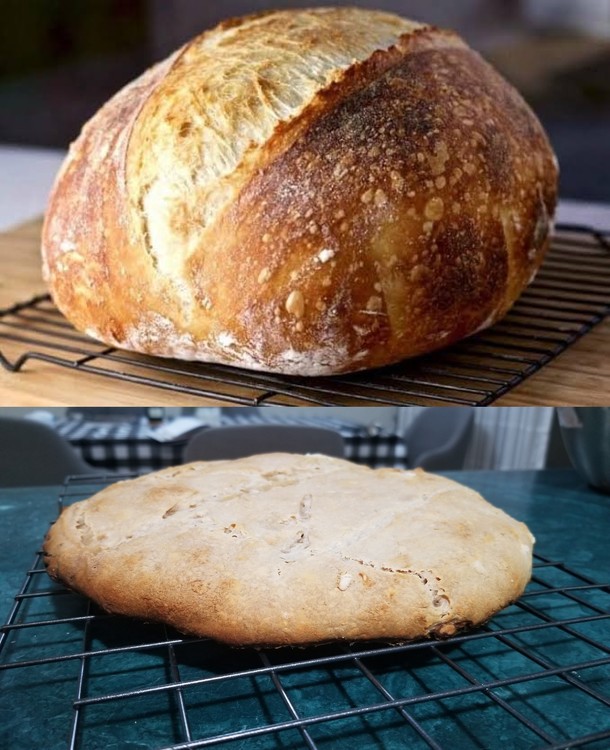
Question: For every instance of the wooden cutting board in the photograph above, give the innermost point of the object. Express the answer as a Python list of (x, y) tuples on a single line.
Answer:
[(580, 376)]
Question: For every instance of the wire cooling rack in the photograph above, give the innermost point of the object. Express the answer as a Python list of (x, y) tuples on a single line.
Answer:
[(536, 676), (570, 295)]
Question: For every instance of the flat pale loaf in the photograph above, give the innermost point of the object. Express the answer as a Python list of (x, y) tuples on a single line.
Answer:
[(282, 549), (306, 192)]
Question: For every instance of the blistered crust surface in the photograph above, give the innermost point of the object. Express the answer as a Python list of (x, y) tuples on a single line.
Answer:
[(285, 549), (225, 95), (349, 192)]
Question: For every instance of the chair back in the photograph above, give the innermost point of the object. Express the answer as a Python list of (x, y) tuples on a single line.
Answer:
[(438, 438), (239, 441), (32, 453)]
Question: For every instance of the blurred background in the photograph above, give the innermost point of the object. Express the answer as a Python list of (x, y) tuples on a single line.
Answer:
[(452, 438), (61, 59)]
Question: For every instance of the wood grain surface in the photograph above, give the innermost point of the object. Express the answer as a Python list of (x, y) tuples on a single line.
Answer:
[(579, 376)]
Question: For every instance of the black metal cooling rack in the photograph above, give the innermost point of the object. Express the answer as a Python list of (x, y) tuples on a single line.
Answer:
[(570, 295), (536, 676)]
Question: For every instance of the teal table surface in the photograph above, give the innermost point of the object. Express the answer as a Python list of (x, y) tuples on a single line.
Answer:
[(25, 515), (571, 523)]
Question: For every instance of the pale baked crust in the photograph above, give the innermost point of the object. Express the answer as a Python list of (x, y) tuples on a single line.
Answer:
[(283, 549), (305, 192)]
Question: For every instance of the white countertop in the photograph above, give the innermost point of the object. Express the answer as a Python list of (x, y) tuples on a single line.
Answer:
[(26, 176)]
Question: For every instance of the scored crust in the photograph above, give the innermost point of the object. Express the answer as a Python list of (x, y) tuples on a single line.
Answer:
[(306, 192), (282, 549)]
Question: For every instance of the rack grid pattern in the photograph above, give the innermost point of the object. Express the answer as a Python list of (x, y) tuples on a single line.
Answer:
[(536, 676), (569, 296)]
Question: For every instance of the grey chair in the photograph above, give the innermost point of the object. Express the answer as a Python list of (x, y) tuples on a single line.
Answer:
[(438, 438), (34, 454), (239, 441)]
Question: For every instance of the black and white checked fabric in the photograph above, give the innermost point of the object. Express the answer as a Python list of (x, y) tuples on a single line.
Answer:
[(363, 445), (127, 446), (120, 446)]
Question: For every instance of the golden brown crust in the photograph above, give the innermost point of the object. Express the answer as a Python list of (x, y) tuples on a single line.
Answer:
[(397, 204), (283, 549)]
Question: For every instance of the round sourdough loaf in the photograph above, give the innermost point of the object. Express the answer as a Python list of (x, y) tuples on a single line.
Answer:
[(282, 549), (306, 192)]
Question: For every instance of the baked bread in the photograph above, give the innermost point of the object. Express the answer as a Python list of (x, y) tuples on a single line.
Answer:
[(305, 192), (282, 549)]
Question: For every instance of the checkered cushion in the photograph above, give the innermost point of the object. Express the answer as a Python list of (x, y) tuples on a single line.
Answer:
[(127, 446)]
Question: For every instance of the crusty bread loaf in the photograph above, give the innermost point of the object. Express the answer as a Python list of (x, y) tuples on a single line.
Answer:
[(285, 549), (306, 192)]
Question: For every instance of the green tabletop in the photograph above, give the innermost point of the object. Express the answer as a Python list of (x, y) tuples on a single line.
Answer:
[(570, 521), (25, 516)]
